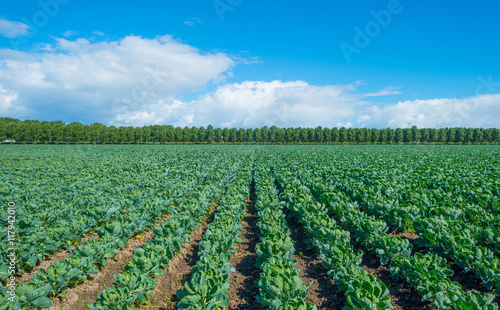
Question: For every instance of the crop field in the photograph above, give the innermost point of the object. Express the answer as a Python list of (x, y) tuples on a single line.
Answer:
[(249, 227)]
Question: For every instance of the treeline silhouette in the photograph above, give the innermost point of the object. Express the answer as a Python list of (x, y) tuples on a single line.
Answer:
[(33, 131)]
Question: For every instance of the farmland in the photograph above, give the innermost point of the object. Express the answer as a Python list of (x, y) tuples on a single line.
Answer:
[(249, 227)]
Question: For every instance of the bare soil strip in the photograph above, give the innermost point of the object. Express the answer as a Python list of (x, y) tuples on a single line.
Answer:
[(323, 291), (402, 295), (468, 281), (165, 293), (243, 290), (58, 256), (77, 298), (178, 272)]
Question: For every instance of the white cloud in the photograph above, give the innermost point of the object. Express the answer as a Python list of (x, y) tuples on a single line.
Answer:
[(98, 33), (294, 104), (193, 22), (12, 29), (8, 103), (137, 81), (479, 111), (69, 33), (256, 104), (97, 81)]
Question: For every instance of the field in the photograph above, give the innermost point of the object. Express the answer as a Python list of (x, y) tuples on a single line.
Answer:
[(249, 227)]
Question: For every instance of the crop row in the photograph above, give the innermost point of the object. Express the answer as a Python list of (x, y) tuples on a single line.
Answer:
[(112, 237), (361, 289), (139, 276), (427, 273), (437, 232), (279, 283), (209, 283)]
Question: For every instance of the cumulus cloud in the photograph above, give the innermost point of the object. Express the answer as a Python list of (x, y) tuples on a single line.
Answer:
[(479, 111), (96, 81), (193, 22), (8, 103), (256, 104), (12, 29), (138, 81), (69, 33), (294, 104)]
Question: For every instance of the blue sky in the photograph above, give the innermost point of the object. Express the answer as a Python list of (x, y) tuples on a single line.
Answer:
[(252, 63)]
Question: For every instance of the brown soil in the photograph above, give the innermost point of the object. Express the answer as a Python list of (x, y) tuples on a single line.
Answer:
[(411, 238), (323, 292), (164, 295), (241, 283), (408, 235), (77, 298), (58, 256), (402, 295), (178, 272), (469, 281)]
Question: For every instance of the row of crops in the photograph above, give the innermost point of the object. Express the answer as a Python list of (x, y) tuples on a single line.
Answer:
[(351, 202)]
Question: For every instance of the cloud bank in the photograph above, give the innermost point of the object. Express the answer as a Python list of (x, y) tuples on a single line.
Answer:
[(138, 81), (97, 80), (298, 104), (12, 29)]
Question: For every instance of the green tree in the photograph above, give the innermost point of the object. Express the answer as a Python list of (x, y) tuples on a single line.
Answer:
[(343, 134), (416, 135), (478, 135), (233, 135), (375, 135), (186, 134), (302, 134), (335, 134), (327, 133), (318, 134), (218, 135), (202, 134), (256, 135), (170, 133), (225, 135), (265, 134), (450, 135), (249, 135), (407, 135), (241, 136), (178, 134), (398, 135), (460, 135), (210, 134)]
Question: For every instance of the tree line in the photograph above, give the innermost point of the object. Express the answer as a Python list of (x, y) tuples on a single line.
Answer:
[(33, 131)]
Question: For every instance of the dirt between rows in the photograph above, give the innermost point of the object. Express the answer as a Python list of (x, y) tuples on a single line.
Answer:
[(323, 291), (469, 281), (402, 295), (58, 256), (178, 272), (242, 282), (77, 298)]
